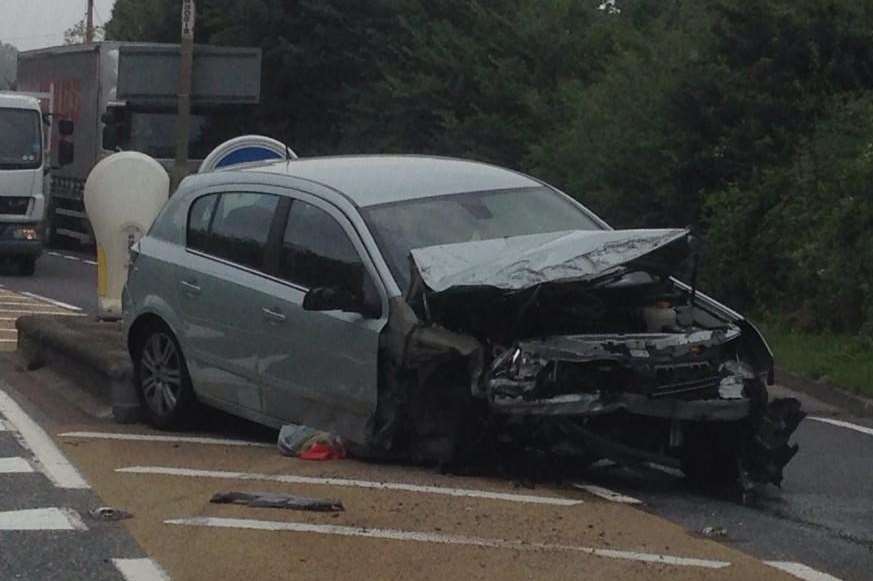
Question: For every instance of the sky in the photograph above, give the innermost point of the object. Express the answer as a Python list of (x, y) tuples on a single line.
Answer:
[(29, 24)]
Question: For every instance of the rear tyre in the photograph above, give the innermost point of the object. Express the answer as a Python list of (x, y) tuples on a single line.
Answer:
[(162, 379), (27, 265)]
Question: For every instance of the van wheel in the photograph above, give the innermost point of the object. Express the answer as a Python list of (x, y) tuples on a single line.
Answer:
[(27, 265), (162, 379)]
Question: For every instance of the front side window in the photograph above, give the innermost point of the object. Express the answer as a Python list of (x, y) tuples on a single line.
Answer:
[(235, 227), (199, 220), (316, 252), (20, 139)]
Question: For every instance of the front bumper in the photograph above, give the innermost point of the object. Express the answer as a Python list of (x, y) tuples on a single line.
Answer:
[(715, 410), (10, 248), (12, 245)]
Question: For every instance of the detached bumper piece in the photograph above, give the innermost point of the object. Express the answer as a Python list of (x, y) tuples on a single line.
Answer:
[(769, 450)]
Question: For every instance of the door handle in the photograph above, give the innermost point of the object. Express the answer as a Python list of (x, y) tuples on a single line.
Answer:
[(274, 316), (190, 287)]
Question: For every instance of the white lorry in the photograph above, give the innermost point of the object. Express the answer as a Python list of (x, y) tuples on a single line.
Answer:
[(24, 163)]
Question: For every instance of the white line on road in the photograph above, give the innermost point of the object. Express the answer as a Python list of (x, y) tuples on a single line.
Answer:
[(50, 253), (91, 262), (51, 461), (801, 571), (8, 340), (52, 301), (68, 257), (41, 519), (14, 466), (422, 537), (842, 424), (293, 479), (607, 494), (666, 469), (157, 438), (49, 311), (140, 570)]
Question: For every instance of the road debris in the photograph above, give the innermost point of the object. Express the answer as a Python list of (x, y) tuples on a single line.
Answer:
[(273, 500), (714, 532), (108, 513), (308, 443)]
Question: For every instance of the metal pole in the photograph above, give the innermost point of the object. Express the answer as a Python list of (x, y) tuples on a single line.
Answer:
[(89, 23), (183, 118)]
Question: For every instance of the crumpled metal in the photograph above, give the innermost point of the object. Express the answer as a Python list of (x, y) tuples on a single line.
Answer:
[(520, 262)]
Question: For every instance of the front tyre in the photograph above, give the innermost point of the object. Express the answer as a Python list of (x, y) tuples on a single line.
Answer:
[(162, 379)]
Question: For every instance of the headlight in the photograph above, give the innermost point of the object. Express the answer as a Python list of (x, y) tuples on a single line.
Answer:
[(25, 233)]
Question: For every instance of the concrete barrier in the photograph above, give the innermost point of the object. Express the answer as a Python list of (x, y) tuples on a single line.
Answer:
[(93, 353)]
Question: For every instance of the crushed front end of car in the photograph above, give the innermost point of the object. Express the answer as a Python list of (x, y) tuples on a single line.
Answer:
[(583, 344)]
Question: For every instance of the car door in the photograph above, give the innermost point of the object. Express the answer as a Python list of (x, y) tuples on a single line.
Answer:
[(321, 368), (219, 290)]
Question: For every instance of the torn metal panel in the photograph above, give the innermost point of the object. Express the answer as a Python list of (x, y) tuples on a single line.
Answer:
[(521, 262), (274, 500)]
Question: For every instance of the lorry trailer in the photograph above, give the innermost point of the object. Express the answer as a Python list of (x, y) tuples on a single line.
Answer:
[(121, 96)]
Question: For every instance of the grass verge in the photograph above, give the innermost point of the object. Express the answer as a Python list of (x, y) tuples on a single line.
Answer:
[(842, 360)]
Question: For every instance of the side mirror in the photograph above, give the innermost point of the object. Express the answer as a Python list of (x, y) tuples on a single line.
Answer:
[(333, 299), (66, 152), (110, 137), (65, 127)]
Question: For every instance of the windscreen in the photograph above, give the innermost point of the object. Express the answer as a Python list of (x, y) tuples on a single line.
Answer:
[(402, 226), (20, 139), (155, 134)]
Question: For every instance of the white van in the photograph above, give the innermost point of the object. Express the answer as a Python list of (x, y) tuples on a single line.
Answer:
[(24, 164)]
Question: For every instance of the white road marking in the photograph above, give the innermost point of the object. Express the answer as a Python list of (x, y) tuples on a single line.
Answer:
[(607, 494), (51, 461), (41, 519), (68, 257), (91, 262), (48, 311), (842, 424), (422, 537), (293, 479), (8, 340), (157, 438), (140, 570), (666, 469), (52, 301), (14, 466), (53, 253), (801, 571)]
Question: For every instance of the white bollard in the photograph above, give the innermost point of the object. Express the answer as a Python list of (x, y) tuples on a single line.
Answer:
[(123, 195)]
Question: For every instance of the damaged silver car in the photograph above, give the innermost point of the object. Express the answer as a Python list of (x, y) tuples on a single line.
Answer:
[(423, 306)]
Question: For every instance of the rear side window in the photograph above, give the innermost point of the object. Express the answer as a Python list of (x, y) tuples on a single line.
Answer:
[(234, 227), (316, 252)]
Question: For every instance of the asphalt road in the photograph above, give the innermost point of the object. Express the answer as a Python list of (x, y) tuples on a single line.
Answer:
[(822, 517), (61, 275)]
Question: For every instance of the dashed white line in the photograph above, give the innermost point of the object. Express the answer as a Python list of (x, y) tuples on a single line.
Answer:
[(801, 571), (51, 461), (847, 425), (140, 570), (41, 519), (91, 262), (68, 257), (666, 469), (422, 537), (158, 438), (52, 301), (15, 466), (294, 479), (607, 494)]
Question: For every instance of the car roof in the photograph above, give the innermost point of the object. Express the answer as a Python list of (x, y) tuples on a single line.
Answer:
[(369, 180)]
